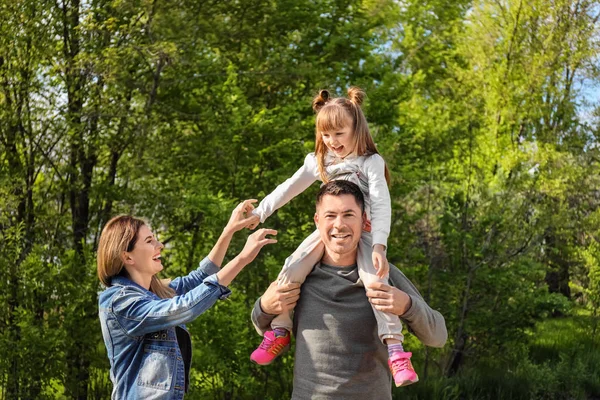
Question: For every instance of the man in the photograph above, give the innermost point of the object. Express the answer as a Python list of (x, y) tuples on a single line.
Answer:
[(338, 352)]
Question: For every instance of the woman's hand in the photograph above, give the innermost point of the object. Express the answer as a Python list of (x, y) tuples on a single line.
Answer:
[(254, 221), (237, 221), (241, 217), (255, 242), (380, 261)]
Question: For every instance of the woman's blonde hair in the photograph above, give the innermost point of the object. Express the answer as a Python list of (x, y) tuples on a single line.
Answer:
[(335, 113), (118, 236)]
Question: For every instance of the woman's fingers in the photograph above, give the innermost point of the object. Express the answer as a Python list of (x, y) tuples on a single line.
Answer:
[(247, 205), (267, 241), (262, 233)]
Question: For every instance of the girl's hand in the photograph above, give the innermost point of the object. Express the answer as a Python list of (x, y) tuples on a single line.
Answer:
[(255, 242), (380, 261), (241, 216), (254, 221)]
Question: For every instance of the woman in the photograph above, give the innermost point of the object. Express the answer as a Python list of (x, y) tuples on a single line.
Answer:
[(143, 318)]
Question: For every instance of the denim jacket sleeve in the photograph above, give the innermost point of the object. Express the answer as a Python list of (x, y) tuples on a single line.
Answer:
[(184, 284), (141, 313)]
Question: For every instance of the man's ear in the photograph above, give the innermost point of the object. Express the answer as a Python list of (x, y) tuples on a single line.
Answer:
[(316, 219), (364, 218)]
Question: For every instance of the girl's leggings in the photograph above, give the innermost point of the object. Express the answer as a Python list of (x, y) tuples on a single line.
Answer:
[(299, 265)]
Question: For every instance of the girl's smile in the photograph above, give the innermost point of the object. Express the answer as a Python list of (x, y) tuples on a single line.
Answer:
[(340, 141)]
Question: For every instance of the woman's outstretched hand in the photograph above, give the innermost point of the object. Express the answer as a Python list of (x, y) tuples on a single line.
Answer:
[(241, 217), (255, 242), (254, 221)]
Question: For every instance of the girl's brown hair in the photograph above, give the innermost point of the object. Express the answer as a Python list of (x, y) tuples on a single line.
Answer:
[(118, 236), (335, 113)]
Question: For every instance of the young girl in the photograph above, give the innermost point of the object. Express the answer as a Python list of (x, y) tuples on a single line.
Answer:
[(344, 149)]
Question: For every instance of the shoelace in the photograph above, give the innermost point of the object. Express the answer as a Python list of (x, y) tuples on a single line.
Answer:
[(400, 364), (266, 343)]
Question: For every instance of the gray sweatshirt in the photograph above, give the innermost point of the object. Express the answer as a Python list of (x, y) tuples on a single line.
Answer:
[(338, 353)]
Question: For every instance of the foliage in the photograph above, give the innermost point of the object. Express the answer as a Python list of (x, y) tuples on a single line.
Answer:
[(486, 113)]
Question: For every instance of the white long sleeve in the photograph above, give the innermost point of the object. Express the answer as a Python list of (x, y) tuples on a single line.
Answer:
[(379, 196), (292, 187)]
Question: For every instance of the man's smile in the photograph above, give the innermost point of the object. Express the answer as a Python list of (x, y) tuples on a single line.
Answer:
[(340, 236)]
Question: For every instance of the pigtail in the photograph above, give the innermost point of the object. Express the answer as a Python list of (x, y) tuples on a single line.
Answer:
[(320, 150), (320, 100), (356, 95), (365, 144)]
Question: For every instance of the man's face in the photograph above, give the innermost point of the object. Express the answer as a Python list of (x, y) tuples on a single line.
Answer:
[(340, 221)]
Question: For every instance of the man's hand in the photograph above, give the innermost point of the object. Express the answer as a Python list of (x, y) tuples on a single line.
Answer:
[(279, 299), (380, 261), (388, 298)]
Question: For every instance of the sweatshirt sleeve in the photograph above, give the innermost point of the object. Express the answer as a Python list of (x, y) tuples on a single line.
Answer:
[(379, 195), (292, 187), (425, 322), (260, 319)]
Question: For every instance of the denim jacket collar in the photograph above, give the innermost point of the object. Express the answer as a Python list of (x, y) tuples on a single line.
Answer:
[(119, 280)]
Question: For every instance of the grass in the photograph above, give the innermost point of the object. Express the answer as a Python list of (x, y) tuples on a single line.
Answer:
[(561, 361)]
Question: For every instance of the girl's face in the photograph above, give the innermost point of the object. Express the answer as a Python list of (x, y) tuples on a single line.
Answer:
[(340, 141), (145, 256)]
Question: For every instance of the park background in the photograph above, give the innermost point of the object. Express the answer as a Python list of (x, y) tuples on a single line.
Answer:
[(486, 111)]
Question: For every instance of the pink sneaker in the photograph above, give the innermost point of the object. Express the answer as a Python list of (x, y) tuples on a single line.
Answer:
[(402, 370), (271, 347)]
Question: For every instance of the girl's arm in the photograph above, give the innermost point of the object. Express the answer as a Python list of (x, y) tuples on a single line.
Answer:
[(379, 195), (381, 211), (289, 189)]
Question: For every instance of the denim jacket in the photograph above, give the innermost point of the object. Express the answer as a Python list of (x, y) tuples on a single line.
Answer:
[(148, 345)]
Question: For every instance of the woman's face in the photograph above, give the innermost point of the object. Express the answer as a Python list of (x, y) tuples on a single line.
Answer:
[(145, 256)]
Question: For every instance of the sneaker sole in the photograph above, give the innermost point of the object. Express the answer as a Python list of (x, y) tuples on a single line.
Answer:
[(406, 383), (282, 352)]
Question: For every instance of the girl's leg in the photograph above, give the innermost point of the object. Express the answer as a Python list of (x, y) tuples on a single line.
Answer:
[(296, 268), (388, 325)]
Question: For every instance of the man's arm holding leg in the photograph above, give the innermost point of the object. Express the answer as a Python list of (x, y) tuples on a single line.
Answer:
[(276, 300), (404, 300)]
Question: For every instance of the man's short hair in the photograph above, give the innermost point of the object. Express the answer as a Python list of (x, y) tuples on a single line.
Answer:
[(340, 187)]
